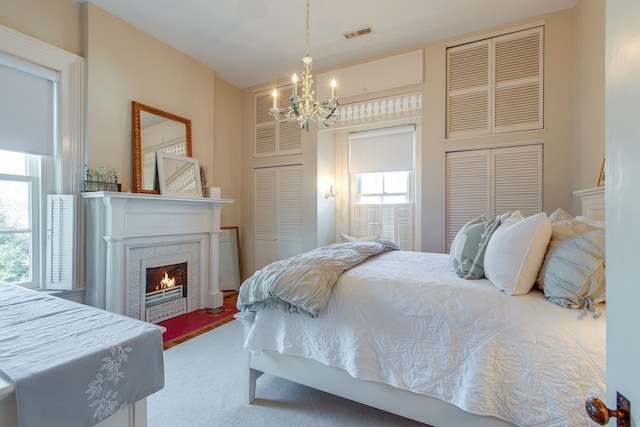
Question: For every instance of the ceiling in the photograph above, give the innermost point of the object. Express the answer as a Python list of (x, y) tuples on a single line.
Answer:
[(250, 42)]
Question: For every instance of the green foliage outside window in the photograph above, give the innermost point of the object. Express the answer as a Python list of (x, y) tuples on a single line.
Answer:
[(14, 253)]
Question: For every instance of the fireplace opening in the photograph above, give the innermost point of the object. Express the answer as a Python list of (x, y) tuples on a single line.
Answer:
[(166, 291)]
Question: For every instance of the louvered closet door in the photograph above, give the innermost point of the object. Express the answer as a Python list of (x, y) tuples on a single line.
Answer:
[(468, 188), (273, 138), (517, 179), (517, 97), (468, 87), (491, 182), (278, 213), (266, 216), (496, 85)]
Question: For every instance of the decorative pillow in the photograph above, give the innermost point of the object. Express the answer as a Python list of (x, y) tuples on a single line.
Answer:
[(469, 245), (563, 227), (515, 252), (575, 272), (346, 238), (594, 222)]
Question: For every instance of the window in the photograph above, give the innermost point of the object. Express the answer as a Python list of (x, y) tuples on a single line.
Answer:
[(383, 188), (40, 154), (381, 165), (19, 239)]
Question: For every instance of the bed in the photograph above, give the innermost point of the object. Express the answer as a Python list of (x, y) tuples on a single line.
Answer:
[(67, 364), (403, 332)]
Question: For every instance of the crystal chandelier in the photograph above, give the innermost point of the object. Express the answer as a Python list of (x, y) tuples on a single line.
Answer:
[(304, 108)]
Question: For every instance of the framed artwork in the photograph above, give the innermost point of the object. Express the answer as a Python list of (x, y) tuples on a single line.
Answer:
[(178, 175), (601, 177)]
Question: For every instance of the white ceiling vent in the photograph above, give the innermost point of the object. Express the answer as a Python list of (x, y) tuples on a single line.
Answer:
[(357, 33)]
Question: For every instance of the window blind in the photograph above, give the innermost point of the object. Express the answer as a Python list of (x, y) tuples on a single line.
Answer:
[(382, 150), (26, 106)]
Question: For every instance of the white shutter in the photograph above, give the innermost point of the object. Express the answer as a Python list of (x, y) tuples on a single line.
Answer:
[(278, 213), (60, 235), (491, 182), (266, 216), (496, 85), (289, 211), (468, 188), (273, 138), (517, 179), (518, 81), (468, 88), (265, 137), (390, 222)]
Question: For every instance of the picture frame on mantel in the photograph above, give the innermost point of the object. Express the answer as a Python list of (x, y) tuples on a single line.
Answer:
[(178, 175), (601, 177)]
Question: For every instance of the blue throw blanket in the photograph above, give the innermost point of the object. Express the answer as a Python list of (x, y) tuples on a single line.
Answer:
[(303, 282)]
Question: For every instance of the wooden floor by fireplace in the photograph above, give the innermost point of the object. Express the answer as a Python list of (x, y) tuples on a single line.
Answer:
[(184, 327)]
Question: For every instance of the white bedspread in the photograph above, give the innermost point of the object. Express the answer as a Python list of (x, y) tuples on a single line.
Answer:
[(406, 319)]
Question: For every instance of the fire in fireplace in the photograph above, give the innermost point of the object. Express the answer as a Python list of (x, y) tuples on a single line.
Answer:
[(166, 292)]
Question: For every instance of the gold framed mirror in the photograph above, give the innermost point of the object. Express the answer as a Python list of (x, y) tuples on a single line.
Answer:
[(156, 131)]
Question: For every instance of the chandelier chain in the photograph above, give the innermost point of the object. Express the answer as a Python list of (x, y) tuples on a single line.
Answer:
[(307, 53)]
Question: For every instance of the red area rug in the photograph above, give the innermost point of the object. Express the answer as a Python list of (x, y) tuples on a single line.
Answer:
[(186, 326)]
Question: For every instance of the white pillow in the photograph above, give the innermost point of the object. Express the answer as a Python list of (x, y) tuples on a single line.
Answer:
[(515, 252), (344, 238)]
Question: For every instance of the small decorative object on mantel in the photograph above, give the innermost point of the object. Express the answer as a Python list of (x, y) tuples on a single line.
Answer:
[(101, 179), (601, 177)]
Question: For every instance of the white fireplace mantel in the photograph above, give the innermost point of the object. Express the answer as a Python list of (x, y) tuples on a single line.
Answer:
[(117, 223)]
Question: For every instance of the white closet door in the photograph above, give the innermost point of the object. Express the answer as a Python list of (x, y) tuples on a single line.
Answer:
[(469, 89), (266, 216), (517, 179), (278, 213), (289, 211), (273, 138), (518, 84), (496, 85), (491, 182), (468, 188)]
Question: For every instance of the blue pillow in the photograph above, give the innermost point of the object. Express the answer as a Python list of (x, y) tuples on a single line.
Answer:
[(469, 245)]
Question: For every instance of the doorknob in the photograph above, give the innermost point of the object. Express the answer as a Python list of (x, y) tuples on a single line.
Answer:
[(599, 412)]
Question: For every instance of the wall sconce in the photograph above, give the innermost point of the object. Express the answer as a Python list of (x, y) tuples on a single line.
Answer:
[(331, 192)]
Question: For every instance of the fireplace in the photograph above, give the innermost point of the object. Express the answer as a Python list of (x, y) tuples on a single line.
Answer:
[(128, 233), (166, 291)]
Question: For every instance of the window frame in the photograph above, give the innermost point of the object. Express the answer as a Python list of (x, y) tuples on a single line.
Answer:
[(67, 165)]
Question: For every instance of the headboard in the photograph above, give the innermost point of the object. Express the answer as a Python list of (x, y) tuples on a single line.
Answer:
[(592, 202)]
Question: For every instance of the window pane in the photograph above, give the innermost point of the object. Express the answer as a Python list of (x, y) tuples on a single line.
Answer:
[(14, 205), (13, 163), (396, 182), (15, 251), (370, 183)]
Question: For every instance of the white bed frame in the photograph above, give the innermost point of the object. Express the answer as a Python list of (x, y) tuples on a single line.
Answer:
[(336, 381), (411, 405)]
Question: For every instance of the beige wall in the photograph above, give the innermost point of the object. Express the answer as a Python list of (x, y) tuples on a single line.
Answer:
[(557, 134), (56, 22), (589, 90), (125, 64), (227, 146)]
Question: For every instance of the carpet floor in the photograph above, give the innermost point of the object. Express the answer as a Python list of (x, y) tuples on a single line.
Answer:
[(205, 380)]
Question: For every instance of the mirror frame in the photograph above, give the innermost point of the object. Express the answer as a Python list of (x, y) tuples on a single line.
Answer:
[(137, 142), (234, 232)]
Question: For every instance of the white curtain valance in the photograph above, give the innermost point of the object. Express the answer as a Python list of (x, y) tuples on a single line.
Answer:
[(26, 106), (382, 150)]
